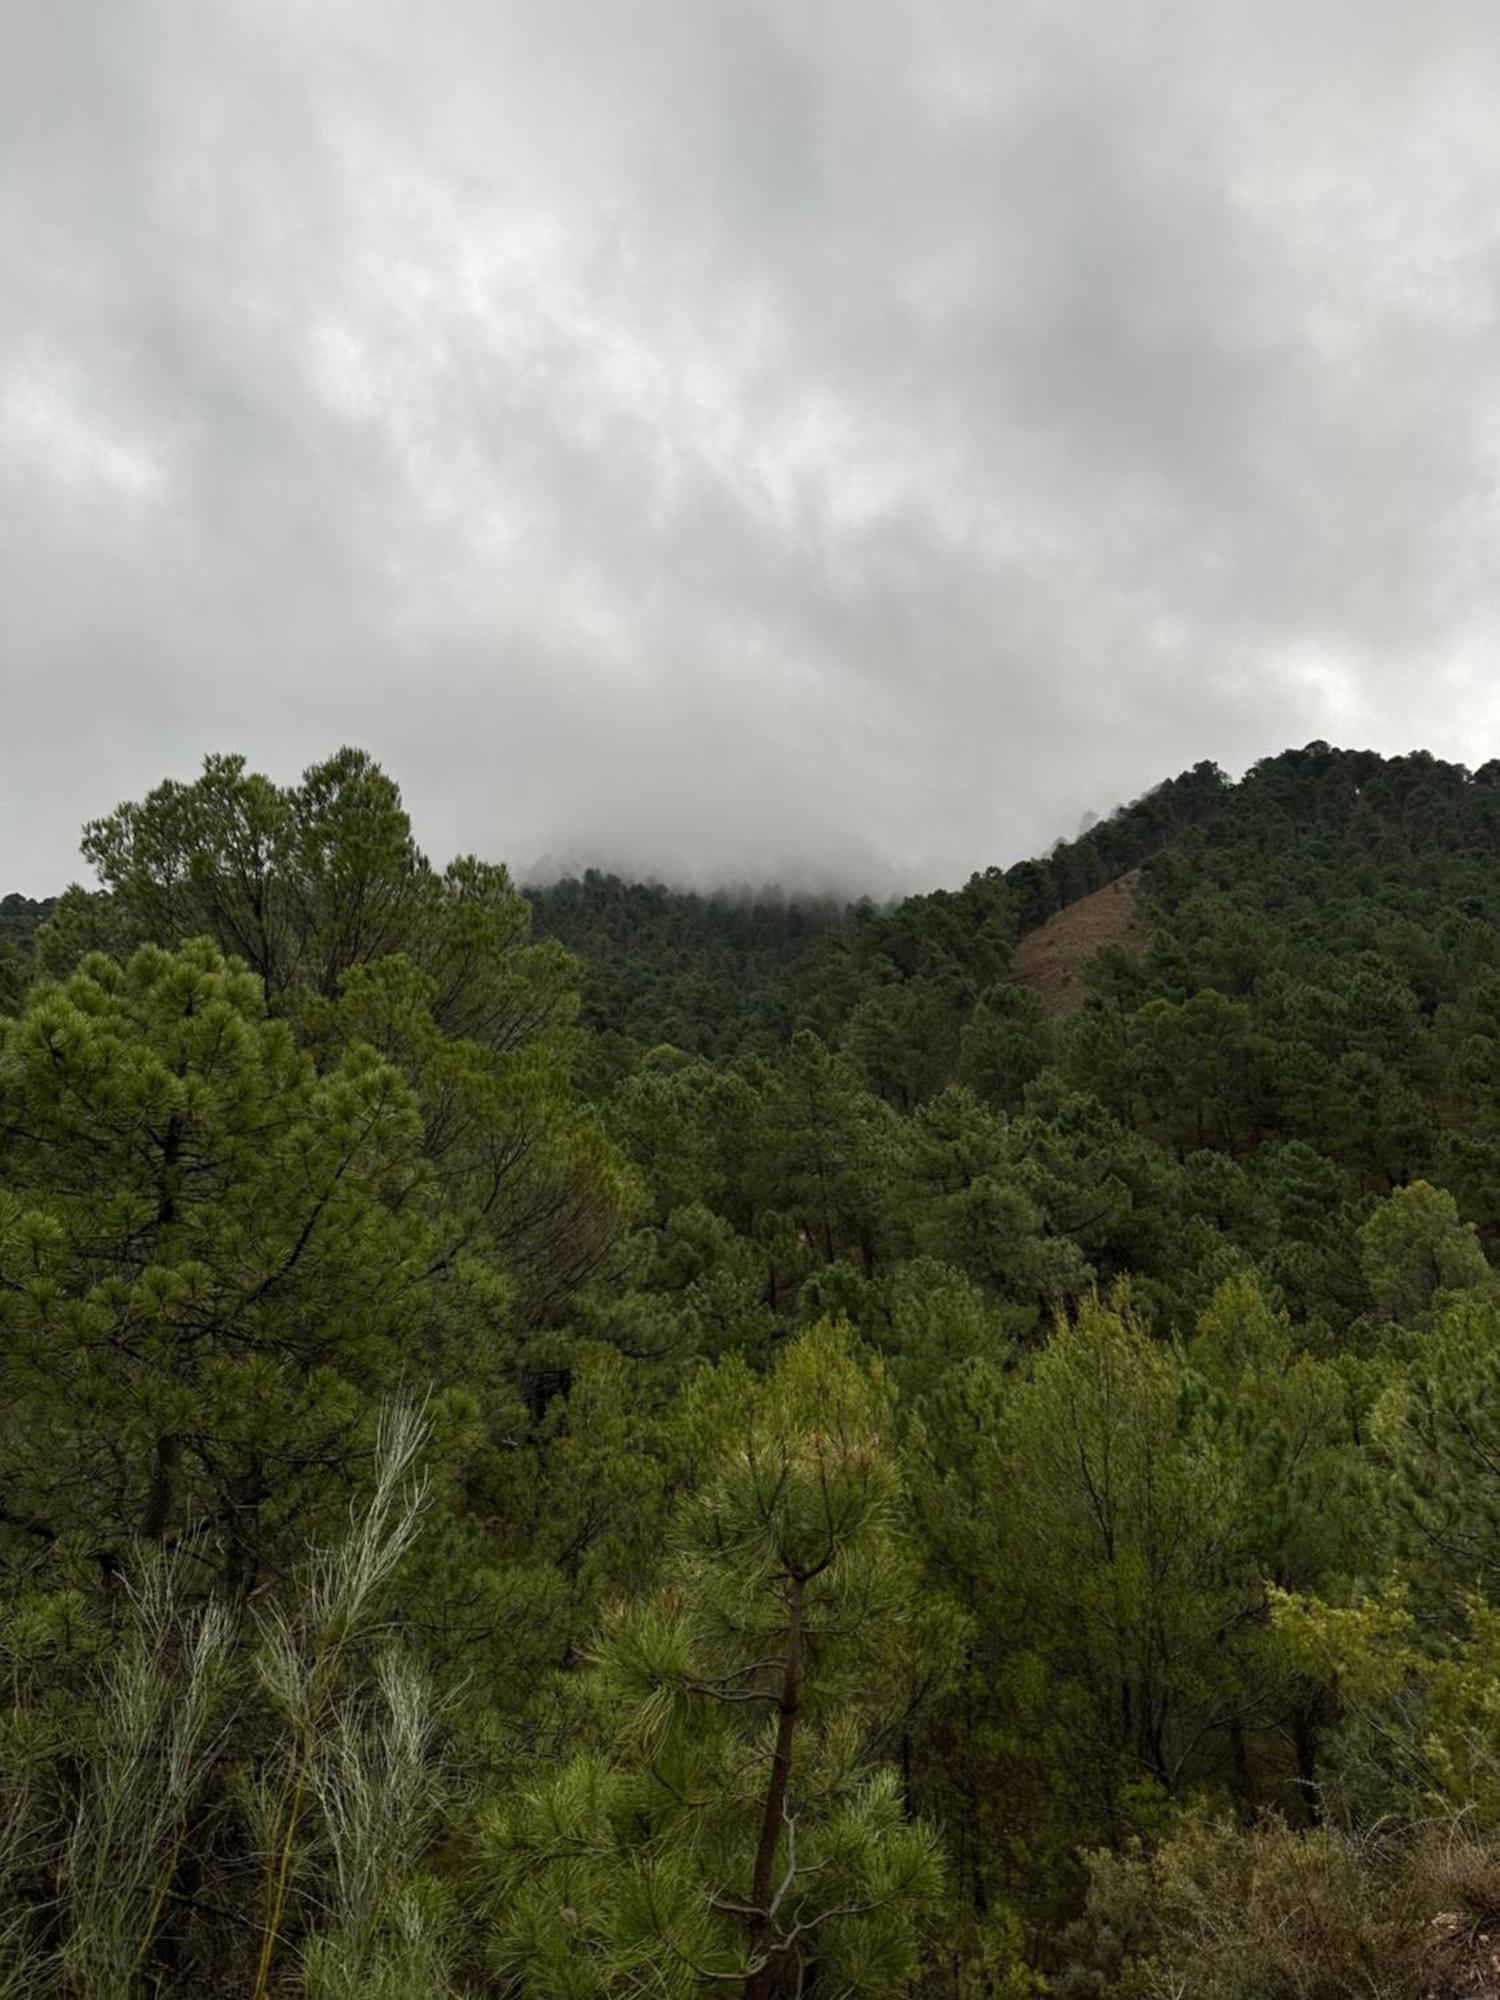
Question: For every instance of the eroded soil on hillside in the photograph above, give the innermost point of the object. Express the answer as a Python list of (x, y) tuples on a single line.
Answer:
[(1050, 959)]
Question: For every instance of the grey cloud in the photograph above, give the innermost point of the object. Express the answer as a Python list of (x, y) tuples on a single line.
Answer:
[(843, 441)]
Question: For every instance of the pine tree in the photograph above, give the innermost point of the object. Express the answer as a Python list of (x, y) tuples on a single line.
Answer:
[(212, 1259), (322, 891), (735, 1831)]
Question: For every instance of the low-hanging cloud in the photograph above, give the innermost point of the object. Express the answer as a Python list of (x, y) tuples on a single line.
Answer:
[(837, 440)]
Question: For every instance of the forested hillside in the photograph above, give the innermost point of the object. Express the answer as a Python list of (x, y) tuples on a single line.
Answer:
[(625, 1443)]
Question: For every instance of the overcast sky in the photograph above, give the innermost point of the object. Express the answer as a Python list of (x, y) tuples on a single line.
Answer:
[(741, 437)]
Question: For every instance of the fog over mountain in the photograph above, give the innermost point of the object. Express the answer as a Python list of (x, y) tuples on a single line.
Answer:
[(835, 442)]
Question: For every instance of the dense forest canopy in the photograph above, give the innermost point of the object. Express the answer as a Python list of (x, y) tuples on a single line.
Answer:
[(614, 1442)]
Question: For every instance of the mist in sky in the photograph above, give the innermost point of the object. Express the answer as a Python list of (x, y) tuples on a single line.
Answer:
[(741, 438)]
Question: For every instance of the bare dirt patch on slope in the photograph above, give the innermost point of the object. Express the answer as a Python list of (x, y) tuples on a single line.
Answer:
[(1050, 959)]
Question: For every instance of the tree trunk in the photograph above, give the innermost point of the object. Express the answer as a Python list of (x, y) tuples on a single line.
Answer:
[(168, 1449), (761, 1985), (163, 1485), (1239, 1752), (1305, 1742)]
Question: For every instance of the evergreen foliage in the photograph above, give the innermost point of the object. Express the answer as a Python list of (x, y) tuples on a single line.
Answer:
[(632, 1443)]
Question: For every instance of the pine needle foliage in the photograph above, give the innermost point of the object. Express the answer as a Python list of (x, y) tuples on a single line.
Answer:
[(735, 1832)]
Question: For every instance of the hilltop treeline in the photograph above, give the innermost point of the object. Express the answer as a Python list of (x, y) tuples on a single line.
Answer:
[(799, 1472), (717, 974)]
